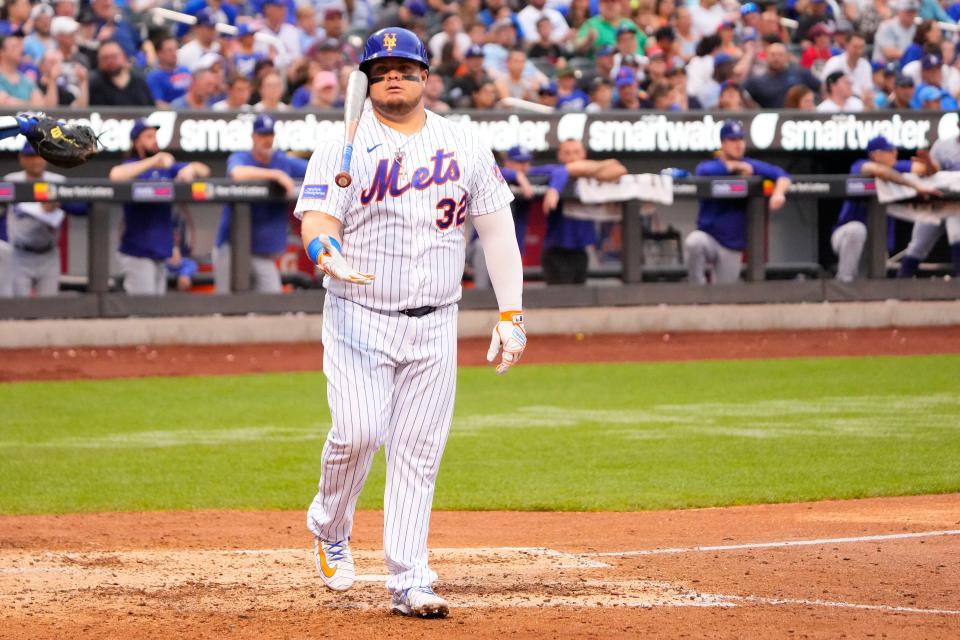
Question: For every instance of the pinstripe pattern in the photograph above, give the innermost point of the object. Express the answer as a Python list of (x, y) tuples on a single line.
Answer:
[(391, 379)]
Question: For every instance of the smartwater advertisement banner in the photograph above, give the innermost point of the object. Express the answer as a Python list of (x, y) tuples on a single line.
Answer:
[(611, 133)]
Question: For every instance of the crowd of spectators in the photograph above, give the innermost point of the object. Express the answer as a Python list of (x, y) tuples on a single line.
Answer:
[(275, 55)]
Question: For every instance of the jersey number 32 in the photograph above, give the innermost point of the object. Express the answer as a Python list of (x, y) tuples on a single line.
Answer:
[(451, 212)]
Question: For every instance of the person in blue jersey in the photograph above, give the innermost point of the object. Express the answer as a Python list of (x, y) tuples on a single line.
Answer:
[(516, 170), (571, 229), (931, 75), (850, 233), (715, 249), (6, 258), (269, 219), (147, 238), (246, 54), (169, 80)]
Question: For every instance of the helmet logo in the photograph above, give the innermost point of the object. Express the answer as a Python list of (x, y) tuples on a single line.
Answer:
[(390, 42)]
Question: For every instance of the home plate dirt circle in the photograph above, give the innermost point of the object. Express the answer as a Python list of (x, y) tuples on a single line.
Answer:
[(242, 580)]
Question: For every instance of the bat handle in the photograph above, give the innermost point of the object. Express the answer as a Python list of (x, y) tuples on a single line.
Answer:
[(343, 179)]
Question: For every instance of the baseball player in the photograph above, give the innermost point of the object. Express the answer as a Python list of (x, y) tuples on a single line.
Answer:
[(516, 169), (850, 233), (391, 245), (944, 156), (570, 231), (268, 220), (6, 259), (721, 234), (34, 229), (147, 239)]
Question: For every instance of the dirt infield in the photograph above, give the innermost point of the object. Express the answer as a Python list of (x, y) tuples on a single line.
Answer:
[(854, 569), (250, 575)]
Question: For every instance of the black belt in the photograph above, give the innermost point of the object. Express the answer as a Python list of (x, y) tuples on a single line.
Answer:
[(419, 312), (29, 249)]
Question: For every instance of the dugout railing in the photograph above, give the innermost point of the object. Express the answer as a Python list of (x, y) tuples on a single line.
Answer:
[(99, 301)]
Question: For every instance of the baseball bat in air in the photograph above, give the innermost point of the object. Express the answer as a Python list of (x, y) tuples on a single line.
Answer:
[(352, 108)]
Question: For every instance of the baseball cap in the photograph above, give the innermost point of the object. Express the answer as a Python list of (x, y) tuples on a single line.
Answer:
[(475, 51), (879, 143), (928, 93), (625, 77), (418, 8), (28, 149), (931, 61), (729, 84), (245, 29), (721, 57), (727, 24), (516, 153), (904, 81), (567, 72), (625, 28), (908, 5), (655, 52), (732, 130), (263, 124), (63, 25), (139, 127), (548, 89), (750, 7), (328, 44), (605, 50), (205, 18), (330, 12), (819, 29)]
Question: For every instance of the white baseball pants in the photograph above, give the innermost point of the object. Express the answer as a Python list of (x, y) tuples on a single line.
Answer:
[(391, 381), (705, 253), (264, 275), (6, 270), (143, 276), (847, 241), (925, 235)]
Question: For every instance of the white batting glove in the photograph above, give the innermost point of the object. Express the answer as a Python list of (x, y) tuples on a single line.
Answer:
[(332, 263), (509, 336)]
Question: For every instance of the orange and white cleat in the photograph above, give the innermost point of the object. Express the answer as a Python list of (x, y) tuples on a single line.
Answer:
[(334, 563)]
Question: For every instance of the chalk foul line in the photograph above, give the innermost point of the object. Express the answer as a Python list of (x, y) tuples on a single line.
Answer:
[(771, 545), (840, 605)]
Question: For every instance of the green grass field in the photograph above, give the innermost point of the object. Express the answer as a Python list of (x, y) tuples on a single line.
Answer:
[(579, 437)]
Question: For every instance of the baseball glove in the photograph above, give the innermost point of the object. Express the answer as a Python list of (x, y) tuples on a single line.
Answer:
[(59, 144)]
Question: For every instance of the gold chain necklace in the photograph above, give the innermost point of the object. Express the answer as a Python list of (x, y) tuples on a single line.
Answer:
[(398, 154)]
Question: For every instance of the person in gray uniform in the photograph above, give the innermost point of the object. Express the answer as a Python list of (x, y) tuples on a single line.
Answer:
[(34, 231), (944, 156), (6, 259)]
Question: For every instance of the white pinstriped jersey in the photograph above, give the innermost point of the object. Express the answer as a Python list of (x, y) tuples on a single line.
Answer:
[(404, 222)]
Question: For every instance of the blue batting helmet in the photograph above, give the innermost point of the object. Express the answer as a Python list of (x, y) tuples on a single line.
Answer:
[(394, 42)]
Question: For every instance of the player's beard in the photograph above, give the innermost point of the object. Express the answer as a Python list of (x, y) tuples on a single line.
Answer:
[(397, 106)]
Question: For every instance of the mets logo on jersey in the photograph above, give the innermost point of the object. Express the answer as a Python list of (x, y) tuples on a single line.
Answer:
[(386, 177), (390, 41)]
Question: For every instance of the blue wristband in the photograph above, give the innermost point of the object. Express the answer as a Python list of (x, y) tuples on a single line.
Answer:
[(315, 248)]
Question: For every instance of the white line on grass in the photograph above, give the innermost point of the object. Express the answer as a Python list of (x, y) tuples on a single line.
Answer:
[(770, 545)]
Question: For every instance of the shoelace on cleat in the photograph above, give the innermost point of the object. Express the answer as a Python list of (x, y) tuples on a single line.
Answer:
[(335, 550)]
